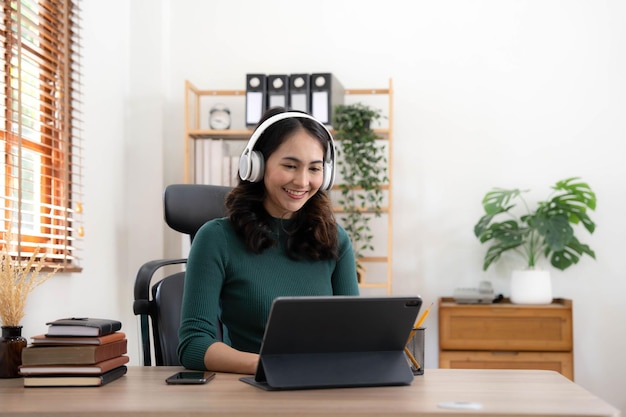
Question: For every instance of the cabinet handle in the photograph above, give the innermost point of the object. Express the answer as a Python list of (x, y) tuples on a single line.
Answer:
[(505, 310), (505, 353)]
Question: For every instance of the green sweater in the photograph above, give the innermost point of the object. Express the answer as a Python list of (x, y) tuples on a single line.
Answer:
[(222, 272)]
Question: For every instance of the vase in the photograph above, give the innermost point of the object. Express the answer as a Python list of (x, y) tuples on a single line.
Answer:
[(532, 286), (11, 345)]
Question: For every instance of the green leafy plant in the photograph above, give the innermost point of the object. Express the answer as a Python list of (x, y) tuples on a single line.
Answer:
[(362, 165), (546, 231)]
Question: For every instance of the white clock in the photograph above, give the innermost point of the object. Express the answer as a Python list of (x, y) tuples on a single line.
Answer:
[(219, 117)]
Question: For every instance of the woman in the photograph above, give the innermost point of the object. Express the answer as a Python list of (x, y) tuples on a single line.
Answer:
[(280, 239)]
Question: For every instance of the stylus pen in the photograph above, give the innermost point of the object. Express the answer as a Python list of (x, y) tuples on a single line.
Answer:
[(415, 363)]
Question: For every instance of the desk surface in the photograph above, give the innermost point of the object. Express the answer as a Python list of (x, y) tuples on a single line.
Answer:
[(143, 392)]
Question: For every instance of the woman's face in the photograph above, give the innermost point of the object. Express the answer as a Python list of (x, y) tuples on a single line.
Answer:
[(293, 174)]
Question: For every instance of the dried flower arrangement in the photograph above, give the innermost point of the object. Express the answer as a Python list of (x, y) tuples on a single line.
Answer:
[(17, 281)]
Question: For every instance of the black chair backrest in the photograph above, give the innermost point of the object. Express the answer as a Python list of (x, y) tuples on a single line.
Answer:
[(189, 206), (186, 208), (167, 295)]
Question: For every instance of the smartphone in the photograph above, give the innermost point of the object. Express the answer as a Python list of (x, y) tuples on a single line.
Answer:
[(190, 377)]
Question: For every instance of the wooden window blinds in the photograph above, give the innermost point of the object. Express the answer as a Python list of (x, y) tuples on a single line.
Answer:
[(41, 132)]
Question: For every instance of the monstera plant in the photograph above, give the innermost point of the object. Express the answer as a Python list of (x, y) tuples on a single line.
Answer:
[(547, 230)]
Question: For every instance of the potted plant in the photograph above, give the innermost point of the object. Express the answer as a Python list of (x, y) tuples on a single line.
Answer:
[(18, 278), (543, 232), (362, 165)]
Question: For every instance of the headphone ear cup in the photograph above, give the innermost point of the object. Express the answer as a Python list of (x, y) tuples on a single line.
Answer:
[(257, 167), (244, 170), (329, 177)]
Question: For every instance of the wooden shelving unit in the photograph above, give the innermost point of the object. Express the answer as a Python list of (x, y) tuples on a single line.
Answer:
[(194, 99)]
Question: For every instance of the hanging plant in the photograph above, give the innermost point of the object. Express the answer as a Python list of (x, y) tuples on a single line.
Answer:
[(362, 164)]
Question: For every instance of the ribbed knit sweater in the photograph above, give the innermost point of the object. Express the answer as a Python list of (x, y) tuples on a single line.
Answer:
[(223, 275)]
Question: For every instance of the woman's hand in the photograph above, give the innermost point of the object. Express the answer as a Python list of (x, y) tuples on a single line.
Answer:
[(220, 357)]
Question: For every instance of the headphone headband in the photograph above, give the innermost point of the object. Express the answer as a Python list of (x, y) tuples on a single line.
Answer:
[(251, 163)]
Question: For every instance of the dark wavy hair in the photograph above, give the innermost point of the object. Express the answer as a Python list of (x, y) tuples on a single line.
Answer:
[(312, 230)]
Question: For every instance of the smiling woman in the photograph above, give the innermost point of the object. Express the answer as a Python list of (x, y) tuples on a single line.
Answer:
[(39, 132), (293, 174), (280, 239)]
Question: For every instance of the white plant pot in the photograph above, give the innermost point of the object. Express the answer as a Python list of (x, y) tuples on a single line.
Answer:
[(531, 287)]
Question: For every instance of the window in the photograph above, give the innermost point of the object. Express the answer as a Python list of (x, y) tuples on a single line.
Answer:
[(40, 132)]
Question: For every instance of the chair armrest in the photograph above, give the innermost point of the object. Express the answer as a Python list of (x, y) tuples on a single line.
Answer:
[(141, 305)]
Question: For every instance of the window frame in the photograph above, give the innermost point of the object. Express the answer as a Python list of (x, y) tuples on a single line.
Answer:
[(41, 90)]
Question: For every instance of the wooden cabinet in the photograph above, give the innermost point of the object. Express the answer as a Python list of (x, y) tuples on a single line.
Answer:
[(506, 336), (199, 101)]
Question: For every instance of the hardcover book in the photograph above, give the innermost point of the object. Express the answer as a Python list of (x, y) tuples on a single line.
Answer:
[(75, 381), (45, 340), (95, 369), (83, 326), (72, 355)]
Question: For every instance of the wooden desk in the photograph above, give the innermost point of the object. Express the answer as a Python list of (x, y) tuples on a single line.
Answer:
[(143, 392)]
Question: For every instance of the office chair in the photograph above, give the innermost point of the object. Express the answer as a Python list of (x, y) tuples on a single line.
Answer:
[(186, 208)]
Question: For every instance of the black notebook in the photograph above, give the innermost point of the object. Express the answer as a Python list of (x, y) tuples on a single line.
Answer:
[(83, 326), (332, 342)]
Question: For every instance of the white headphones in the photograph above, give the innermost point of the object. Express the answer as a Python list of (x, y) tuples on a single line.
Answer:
[(252, 165)]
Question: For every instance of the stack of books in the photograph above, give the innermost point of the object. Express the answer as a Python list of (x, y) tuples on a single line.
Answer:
[(76, 352)]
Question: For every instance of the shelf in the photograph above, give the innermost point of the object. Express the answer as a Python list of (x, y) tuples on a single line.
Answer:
[(244, 134), (364, 210), (353, 91), (241, 134), (375, 259), (195, 99)]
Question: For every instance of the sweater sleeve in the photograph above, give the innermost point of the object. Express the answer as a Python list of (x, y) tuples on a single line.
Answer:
[(344, 276), (200, 310)]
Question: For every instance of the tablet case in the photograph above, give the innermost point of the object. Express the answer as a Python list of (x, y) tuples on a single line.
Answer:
[(333, 342)]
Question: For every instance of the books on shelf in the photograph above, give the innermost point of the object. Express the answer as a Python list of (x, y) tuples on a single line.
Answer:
[(45, 340), (72, 354), (75, 380), (82, 326), (219, 149), (216, 161), (71, 369)]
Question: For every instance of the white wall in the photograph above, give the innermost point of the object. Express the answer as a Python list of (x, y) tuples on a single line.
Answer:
[(487, 93), (101, 289)]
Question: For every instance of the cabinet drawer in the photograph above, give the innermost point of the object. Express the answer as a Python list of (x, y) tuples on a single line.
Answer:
[(562, 362), (505, 327)]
